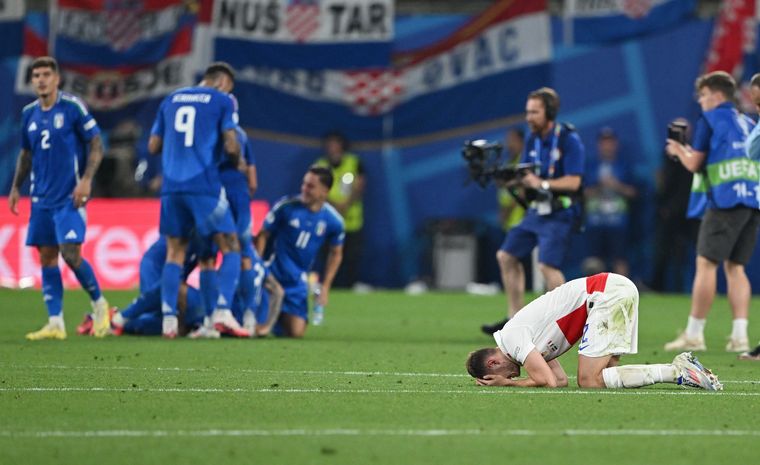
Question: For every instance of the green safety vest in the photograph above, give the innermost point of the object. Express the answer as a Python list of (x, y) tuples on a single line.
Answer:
[(344, 176)]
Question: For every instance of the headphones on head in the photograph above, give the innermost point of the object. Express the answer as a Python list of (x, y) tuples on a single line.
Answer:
[(551, 101)]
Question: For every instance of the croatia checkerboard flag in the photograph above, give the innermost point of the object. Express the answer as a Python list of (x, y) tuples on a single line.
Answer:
[(123, 23), (302, 18)]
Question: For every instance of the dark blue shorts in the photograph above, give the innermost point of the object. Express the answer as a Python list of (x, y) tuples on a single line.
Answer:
[(183, 214), (54, 226), (296, 300), (551, 233)]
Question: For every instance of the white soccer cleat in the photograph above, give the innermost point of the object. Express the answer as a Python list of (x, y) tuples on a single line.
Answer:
[(225, 323), (101, 318), (691, 373), (204, 331), (683, 342), (737, 345), (170, 327)]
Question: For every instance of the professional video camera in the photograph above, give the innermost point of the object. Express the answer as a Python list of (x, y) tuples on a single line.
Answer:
[(484, 163)]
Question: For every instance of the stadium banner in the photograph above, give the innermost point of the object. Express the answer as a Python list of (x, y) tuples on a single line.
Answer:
[(304, 34), (115, 52), (466, 71), (589, 21), (11, 27), (118, 234)]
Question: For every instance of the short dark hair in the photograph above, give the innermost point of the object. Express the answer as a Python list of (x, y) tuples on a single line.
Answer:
[(550, 98), (755, 81), (219, 67), (324, 175), (717, 81), (476, 362), (45, 62)]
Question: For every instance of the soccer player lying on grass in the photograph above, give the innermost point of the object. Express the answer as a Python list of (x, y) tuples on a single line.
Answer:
[(602, 312)]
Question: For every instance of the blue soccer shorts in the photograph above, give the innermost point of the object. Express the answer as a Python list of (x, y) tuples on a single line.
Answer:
[(295, 301), (184, 214), (54, 226), (551, 233)]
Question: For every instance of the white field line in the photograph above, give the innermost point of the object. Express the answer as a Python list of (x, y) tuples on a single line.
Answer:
[(292, 372), (482, 391), (370, 432)]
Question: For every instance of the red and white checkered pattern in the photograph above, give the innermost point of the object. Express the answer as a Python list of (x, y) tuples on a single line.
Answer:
[(373, 92), (302, 19), (123, 26), (636, 9)]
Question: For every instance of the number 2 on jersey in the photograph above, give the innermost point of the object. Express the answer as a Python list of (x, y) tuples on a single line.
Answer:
[(184, 122), (45, 139)]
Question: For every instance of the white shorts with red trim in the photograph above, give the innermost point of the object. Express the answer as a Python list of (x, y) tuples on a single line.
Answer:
[(612, 325)]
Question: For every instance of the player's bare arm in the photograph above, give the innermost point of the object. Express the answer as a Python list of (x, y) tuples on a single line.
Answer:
[(155, 144), (253, 180), (23, 167), (232, 148), (334, 257), (84, 186), (540, 374), (559, 373), (260, 242)]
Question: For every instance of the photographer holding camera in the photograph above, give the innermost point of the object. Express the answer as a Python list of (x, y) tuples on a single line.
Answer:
[(725, 190), (554, 191)]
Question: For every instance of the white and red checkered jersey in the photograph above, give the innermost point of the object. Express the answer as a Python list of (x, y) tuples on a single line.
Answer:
[(552, 323)]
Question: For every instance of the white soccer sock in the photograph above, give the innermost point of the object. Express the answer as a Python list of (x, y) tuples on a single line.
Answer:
[(695, 329), (56, 321), (633, 376), (739, 331)]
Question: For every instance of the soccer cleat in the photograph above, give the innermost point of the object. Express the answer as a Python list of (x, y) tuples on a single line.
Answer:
[(492, 328), (249, 322), (101, 318), (683, 342), (691, 373), (737, 345), (85, 327), (204, 332), (117, 322), (225, 323), (750, 355), (170, 327), (48, 331)]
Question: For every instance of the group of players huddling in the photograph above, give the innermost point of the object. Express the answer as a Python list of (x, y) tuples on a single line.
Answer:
[(209, 177)]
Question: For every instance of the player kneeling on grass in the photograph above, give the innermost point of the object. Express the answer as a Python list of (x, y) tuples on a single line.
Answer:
[(601, 312)]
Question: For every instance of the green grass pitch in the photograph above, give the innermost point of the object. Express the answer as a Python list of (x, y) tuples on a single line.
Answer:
[(382, 381)]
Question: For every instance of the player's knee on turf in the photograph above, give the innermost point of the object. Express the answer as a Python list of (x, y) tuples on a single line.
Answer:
[(71, 255), (590, 379)]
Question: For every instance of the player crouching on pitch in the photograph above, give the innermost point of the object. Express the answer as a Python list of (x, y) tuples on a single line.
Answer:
[(601, 312)]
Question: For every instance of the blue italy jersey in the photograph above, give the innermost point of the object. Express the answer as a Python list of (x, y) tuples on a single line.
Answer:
[(728, 177), (57, 139), (232, 179), (191, 122), (560, 153), (298, 235)]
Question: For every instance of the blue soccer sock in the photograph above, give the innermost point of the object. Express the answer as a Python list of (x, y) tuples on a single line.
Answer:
[(229, 274), (87, 279), (209, 290), (170, 288), (246, 288), (146, 302), (52, 290)]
